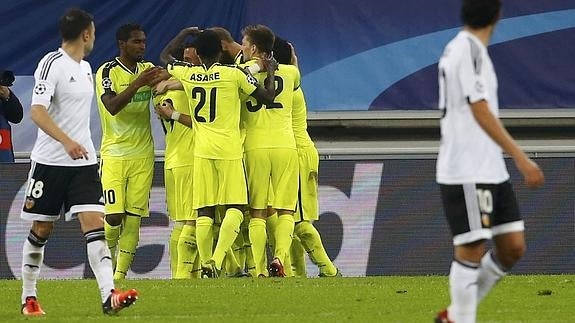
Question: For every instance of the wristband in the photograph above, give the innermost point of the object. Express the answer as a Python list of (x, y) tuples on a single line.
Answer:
[(175, 115)]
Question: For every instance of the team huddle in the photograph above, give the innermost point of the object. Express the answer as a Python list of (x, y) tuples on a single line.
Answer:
[(240, 170), (230, 138)]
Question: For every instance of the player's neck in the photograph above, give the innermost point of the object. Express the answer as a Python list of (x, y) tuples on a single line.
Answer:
[(209, 62), (483, 34), (129, 63), (235, 49), (74, 49)]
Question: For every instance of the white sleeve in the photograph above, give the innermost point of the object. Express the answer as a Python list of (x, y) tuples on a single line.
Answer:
[(471, 76), (45, 81)]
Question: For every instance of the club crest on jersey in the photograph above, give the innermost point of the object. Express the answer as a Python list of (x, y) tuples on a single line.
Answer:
[(485, 220), (40, 88), (106, 83), (29, 203)]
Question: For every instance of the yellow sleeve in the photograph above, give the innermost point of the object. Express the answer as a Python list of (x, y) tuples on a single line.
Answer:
[(247, 82)]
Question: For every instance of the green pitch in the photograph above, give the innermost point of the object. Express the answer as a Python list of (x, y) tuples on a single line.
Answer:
[(535, 298)]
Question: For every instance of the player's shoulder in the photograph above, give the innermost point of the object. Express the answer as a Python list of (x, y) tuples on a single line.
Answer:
[(50, 63), (178, 63), (145, 65), (108, 66), (288, 69)]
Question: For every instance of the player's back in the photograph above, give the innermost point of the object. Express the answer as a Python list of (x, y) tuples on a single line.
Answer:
[(270, 126), (214, 96)]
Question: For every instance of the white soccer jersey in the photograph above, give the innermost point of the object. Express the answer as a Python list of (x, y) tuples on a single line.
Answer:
[(466, 153), (65, 87)]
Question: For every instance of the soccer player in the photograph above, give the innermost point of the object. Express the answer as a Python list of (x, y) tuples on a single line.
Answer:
[(477, 195), (178, 168), (307, 209), (270, 159), (127, 151), (64, 166), (213, 90)]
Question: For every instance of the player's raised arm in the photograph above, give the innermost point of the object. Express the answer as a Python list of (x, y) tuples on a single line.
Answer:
[(166, 54)]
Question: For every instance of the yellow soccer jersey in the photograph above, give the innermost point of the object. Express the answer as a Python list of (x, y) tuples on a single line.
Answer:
[(299, 120), (179, 138), (214, 96), (128, 134), (271, 126)]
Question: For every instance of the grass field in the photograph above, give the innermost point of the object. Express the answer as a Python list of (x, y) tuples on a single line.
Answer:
[(371, 299)]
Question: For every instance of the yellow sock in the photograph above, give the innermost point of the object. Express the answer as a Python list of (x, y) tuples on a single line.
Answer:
[(271, 225), (127, 245), (297, 253), (230, 264), (287, 265), (238, 249), (196, 268), (250, 263), (284, 236), (204, 238), (228, 233), (174, 236), (311, 241), (187, 252), (112, 235), (257, 232)]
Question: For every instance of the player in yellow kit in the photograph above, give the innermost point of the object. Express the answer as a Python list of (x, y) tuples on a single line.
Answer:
[(127, 153), (213, 90), (307, 209), (270, 154), (178, 165)]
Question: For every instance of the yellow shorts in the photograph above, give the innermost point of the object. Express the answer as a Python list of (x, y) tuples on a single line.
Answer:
[(307, 206), (277, 167), (127, 185), (218, 182), (179, 183)]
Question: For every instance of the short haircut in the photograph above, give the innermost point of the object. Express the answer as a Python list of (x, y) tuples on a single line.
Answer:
[(74, 22), (223, 33), (207, 44), (480, 13), (282, 51), (123, 33), (261, 36)]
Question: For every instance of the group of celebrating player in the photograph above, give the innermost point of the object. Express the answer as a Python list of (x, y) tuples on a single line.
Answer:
[(235, 133)]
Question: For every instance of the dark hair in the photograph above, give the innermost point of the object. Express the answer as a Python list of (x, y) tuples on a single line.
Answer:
[(223, 33), (282, 51), (261, 36), (207, 44), (74, 22), (480, 13), (123, 33)]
